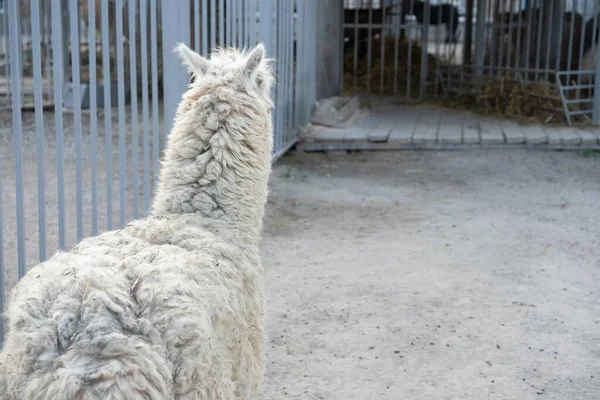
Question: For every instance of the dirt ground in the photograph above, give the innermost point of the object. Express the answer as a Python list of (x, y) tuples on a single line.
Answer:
[(434, 275), (406, 275)]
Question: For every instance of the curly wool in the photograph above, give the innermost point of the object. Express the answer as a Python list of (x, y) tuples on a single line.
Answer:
[(170, 306)]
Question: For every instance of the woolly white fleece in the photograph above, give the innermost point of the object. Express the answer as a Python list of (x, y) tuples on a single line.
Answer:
[(171, 306)]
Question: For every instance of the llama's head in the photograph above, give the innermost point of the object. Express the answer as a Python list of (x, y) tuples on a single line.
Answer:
[(246, 72), (234, 87)]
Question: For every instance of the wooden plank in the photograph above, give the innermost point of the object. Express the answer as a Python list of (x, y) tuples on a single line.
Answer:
[(553, 134), (534, 134), (451, 130), (471, 132), (360, 130), (587, 137), (512, 132), (491, 133), (328, 134), (403, 133), (403, 125), (426, 130), (382, 131), (569, 136)]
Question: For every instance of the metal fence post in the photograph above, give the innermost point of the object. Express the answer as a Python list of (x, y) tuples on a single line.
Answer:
[(596, 104), (266, 25), (424, 50), (175, 28), (480, 36)]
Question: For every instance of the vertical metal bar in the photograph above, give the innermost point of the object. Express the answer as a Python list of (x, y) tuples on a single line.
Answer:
[(57, 57), (252, 21), (222, 23), (228, 23), (266, 25), (1, 266), (15, 56), (240, 19), (382, 36), (528, 38), (176, 28), (121, 109), (75, 71), (596, 98), (355, 50), (290, 55), (134, 108), (245, 14), (409, 33), (397, 31), (571, 33), (424, 50), (234, 24), (580, 55), (468, 40), (549, 40), (538, 49), (145, 106), (369, 41), (205, 50), (107, 87), (298, 100), (39, 125), (559, 35), (480, 36), (213, 25), (65, 37), (196, 26), (154, 66), (285, 67), (500, 33), (519, 37), (93, 83)]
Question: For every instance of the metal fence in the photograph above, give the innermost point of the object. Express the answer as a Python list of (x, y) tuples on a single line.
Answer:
[(415, 50), (104, 88)]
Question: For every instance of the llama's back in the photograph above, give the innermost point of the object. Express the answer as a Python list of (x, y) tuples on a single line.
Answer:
[(76, 335), (137, 315)]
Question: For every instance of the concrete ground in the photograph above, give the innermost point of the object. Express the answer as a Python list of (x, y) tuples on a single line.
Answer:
[(399, 275), (434, 275)]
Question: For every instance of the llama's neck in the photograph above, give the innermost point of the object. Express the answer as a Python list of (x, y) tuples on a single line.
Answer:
[(217, 165)]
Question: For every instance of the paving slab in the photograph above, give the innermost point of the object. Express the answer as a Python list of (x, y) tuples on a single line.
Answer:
[(512, 132), (534, 134), (426, 130), (471, 132), (553, 134), (589, 136), (569, 136), (491, 132), (451, 130)]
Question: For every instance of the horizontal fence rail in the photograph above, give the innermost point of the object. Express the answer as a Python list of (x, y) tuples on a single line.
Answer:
[(90, 88)]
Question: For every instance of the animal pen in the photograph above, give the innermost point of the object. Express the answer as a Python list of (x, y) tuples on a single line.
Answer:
[(88, 88), (512, 57)]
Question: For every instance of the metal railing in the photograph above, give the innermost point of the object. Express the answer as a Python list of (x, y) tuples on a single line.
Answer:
[(396, 47), (85, 156)]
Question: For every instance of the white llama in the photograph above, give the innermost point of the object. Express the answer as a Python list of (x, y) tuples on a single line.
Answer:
[(171, 306)]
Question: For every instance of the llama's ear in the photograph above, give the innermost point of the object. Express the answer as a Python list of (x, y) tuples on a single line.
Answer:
[(254, 60), (195, 63)]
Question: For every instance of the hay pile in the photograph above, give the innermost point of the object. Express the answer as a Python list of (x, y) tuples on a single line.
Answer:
[(509, 97), (512, 98), (403, 65)]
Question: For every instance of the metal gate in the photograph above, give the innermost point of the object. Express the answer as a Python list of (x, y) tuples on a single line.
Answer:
[(81, 139)]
